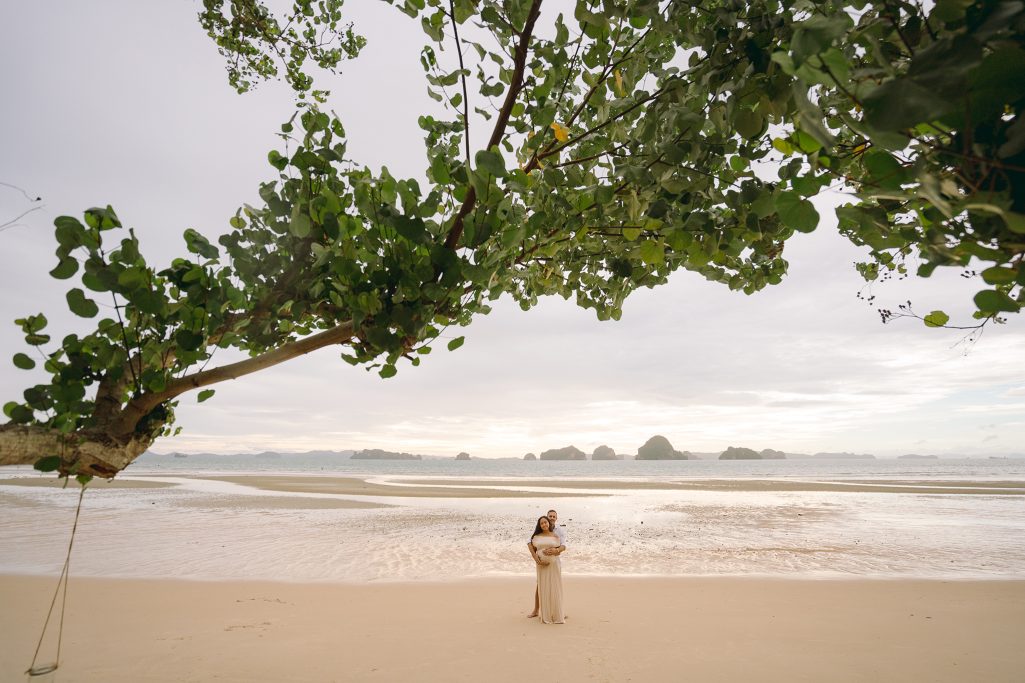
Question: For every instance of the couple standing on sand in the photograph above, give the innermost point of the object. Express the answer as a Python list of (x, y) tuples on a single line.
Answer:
[(546, 544)]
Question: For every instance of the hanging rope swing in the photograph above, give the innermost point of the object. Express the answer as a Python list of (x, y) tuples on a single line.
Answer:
[(36, 672)]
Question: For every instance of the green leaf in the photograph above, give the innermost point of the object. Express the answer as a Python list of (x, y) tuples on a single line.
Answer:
[(204, 395), (24, 362), (300, 225), (67, 267), (48, 464), (188, 340), (1015, 222), (950, 11), (387, 371), (37, 339), (198, 244), (936, 319), (132, 278), (749, 123), (999, 276), (80, 305), (102, 218), (456, 343), (884, 170), (816, 34), (652, 252), (783, 146), (439, 170), (491, 162), (277, 160), (995, 301), (83, 479), (806, 143), (796, 212)]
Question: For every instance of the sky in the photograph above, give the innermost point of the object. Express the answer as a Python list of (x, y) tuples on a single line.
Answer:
[(127, 103)]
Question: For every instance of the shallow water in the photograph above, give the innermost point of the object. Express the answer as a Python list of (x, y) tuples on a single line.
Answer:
[(940, 469), (205, 529)]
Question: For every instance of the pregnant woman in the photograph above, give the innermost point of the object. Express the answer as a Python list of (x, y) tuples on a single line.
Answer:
[(549, 573)]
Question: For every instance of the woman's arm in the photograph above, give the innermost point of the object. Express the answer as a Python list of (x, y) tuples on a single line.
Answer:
[(533, 551)]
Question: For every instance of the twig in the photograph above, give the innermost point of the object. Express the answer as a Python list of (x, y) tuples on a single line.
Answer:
[(462, 77)]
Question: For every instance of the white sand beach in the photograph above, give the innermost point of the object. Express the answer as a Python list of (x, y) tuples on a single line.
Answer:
[(120, 631), (209, 576)]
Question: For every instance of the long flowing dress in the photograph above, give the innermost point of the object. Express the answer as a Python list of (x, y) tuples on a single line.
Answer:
[(549, 581)]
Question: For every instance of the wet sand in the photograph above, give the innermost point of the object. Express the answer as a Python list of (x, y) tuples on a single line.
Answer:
[(51, 481), (619, 630), (520, 488), (523, 488), (355, 486), (1010, 488)]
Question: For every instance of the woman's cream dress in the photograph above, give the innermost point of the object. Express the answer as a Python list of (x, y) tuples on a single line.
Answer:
[(549, 581)]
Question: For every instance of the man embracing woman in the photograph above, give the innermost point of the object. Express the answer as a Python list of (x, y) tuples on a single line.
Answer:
[(546, 544)]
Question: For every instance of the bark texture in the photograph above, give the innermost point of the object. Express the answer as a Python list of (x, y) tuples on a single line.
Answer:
[(83, 452)]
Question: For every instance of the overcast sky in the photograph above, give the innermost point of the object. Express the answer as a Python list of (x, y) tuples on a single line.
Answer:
[(127, 103)]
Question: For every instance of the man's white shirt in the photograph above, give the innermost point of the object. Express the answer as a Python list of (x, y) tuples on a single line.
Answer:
[(560, 533)]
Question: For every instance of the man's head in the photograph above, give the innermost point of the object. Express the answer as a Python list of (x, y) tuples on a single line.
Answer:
[(553, 517)]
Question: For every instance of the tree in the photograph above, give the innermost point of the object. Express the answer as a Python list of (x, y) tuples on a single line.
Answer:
[(627, 141)]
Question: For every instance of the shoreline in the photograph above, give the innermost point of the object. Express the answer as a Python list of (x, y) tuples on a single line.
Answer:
[(642, 629), (406, 486)]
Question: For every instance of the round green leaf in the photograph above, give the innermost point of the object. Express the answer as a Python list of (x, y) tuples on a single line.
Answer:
[(204, 395), (796, 213), (995, 301), (67, 267), (300, 225), (24, 362), (80, 305), (749, 123), (999, 276), (490, 162), (388, 371), (652, 252), (936, 319), (456, 343), (188, 340)]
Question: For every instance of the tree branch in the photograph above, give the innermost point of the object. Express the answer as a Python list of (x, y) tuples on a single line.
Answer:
[(462, 77), (140, 406), (515, 85)]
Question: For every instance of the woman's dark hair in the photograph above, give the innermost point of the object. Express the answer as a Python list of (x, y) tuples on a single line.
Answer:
[(538, 529)]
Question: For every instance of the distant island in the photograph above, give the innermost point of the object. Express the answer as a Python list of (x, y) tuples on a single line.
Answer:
[(463, 456), (659, 448), (735, 453), (913, 456), (605, 453), (567, 453), (378, 454), (530, 456)]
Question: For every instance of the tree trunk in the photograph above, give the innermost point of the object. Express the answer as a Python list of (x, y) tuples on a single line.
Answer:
[(83, 452)]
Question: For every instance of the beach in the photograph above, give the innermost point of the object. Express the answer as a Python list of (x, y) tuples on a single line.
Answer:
[(390, 575), (724, 629)]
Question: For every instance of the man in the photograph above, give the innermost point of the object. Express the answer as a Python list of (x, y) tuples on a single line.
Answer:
[(560, 533)]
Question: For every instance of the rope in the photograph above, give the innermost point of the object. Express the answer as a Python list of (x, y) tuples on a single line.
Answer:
[(32, 670)]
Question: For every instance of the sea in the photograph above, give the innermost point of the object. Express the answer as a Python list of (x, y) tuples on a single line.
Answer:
[(622, 518)]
